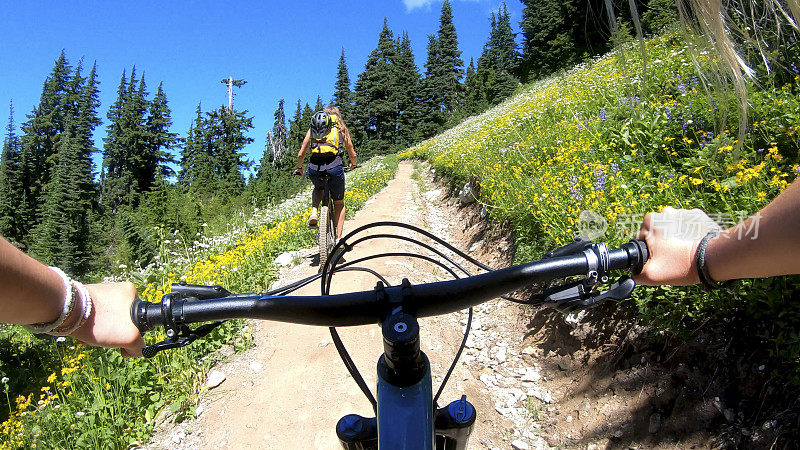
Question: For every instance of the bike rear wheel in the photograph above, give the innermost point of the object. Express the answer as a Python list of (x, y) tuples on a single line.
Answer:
[(326, 234)]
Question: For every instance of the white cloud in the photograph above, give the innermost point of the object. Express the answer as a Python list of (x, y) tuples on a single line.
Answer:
[(414, 4)]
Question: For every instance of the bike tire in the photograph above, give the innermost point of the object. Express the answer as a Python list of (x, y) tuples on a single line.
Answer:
[(326, 235)]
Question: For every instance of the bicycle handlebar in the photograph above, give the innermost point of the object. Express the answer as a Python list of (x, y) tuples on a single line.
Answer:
[(188, 305)]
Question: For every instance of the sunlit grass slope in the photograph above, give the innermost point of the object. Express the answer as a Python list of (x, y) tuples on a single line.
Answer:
[(60, 394), (608, 138)]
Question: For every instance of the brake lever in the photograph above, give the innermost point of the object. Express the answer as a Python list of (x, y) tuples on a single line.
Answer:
[(578, 245), (579, 295), (183, 338)]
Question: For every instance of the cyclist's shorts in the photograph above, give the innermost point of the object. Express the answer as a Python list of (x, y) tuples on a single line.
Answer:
[(335, 181)]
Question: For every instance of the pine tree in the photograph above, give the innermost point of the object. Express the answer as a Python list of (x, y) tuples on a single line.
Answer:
[(558, 34), (297, 129), (474, 91), (225, 130), (160, 139), (499, 60), (62, 238), (136, 149), (433, 116), (11, 187), (375, 104), (342, 96), (122, 144), (319, 106), (408, 101), (86, 119), (40, 141), (450, 57), (305, 122), (276, 152), (197, 171)]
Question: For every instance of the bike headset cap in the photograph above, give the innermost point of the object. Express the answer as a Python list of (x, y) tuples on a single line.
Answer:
[(321, 120)]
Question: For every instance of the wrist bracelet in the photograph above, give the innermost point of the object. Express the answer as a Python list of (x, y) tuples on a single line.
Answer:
[(66, 310), (702, 269), (84, 300)]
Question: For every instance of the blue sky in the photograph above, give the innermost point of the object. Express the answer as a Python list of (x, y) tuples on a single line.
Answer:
[(285, 50)]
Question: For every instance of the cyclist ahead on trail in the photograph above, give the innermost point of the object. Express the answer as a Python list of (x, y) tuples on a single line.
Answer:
[(326, 140)]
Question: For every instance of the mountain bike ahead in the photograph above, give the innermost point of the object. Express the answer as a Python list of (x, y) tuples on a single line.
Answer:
[(326, 226), (406, 411), (326, 232)]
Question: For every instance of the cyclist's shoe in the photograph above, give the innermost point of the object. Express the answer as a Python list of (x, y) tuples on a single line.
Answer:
[(312, 220)]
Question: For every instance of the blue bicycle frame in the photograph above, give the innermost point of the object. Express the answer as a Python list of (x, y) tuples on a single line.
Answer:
[(405, 414), (405, 411)]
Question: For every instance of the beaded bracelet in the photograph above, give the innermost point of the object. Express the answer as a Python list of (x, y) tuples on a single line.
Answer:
[(66, 310), (86, 310)]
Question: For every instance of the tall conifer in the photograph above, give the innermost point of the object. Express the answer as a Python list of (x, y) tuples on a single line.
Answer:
[(450, 55), (433, 115), (62, 238), (160, 140), (408, 100), (40, 140), (11, 183), (342, 95), (375, 91), (297, 130)]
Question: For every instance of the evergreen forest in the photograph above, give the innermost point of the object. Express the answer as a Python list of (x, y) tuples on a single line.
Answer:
[(56, 205)]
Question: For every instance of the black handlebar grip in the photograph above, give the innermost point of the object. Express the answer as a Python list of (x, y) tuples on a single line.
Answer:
[(139, 315), (643, 256)]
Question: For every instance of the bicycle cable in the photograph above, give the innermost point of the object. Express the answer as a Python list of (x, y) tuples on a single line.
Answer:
[(326, 276)]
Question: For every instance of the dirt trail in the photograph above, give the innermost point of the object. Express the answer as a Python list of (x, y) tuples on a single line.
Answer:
[(292, 388)]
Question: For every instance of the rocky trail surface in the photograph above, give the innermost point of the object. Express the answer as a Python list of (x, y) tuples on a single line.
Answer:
[(536, 379)]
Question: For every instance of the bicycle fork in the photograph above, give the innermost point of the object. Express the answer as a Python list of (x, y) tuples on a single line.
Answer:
[(406, 417)]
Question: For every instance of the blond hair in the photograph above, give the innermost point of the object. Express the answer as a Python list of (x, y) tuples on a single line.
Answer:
[(334, 111), (708, 20)]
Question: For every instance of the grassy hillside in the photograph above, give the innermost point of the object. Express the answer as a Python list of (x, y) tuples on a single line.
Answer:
[(60, 394), (608, 138)]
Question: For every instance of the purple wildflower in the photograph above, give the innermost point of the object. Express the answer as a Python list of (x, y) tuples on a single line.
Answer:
[(603, 114), (600, 183)]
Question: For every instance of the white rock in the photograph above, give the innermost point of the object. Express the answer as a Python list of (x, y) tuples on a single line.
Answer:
[(286, 258), (179, 436), (575, 318), (468, 194), (256, 366), (501, 356), (476, 324), (542, 395), (199, 410), (531, 375), (488, 380), (528, 350), (215, 378), (520, 445)]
